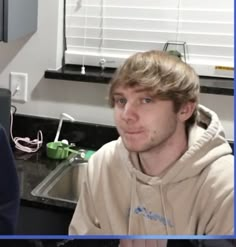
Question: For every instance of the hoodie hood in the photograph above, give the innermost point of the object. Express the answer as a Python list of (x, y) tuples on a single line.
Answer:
[(206, 144)]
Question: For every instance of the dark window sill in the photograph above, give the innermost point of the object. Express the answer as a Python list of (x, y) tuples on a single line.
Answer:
[(73, 73), (209, 85)]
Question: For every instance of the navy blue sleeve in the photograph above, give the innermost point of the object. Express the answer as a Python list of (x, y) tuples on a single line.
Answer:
[(9, 187)]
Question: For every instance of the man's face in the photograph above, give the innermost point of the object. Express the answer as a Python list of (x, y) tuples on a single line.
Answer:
[(143, 121)]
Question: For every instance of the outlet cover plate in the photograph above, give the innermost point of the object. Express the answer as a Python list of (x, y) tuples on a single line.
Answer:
[(19, 86)]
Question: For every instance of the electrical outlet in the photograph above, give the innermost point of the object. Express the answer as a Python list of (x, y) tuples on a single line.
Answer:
[(18, 86)]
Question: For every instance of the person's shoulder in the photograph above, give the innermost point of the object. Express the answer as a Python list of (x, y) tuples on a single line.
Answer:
[(110, 145), (108, 150), (107, 154), (220, 174), (104, 161), (217, 192), (224, 165)]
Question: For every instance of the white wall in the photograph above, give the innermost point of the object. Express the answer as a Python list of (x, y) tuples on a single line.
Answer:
[(86, 102)]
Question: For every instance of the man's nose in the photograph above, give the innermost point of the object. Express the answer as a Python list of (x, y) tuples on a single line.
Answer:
[(129, 112)]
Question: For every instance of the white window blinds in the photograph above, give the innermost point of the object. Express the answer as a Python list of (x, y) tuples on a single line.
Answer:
[(105, 32)]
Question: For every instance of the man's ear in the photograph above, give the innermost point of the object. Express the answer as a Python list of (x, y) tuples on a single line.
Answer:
[(186, 111)]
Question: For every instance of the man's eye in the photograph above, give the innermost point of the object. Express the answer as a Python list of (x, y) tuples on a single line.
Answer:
[(120, 101), (147, 100)]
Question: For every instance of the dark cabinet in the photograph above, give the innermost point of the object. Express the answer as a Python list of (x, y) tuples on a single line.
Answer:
[(17, 18)]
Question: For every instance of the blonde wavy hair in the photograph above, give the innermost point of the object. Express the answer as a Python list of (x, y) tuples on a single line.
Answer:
[(165, 76)]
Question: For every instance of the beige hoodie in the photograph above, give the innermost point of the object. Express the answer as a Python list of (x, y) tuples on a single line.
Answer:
[(195, 196)]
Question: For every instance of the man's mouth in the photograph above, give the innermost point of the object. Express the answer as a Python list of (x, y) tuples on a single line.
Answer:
[(132, 132)]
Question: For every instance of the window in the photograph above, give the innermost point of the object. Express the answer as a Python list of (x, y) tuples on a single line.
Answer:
[(105, 32)]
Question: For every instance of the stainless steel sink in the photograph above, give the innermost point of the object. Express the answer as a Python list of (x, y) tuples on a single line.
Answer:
[(63, 183)]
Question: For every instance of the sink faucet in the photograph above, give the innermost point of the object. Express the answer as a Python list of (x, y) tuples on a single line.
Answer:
[(63, 116)]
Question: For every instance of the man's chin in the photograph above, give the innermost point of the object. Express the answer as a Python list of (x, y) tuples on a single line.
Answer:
[(133, 147)]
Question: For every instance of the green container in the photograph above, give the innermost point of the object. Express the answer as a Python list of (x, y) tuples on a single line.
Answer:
[(59, 150)]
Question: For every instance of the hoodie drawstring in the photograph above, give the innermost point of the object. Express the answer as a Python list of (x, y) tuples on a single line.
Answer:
[(133, 193), (164, 209)]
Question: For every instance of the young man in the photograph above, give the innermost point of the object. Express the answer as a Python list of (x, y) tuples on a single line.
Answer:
[(171, 170)]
